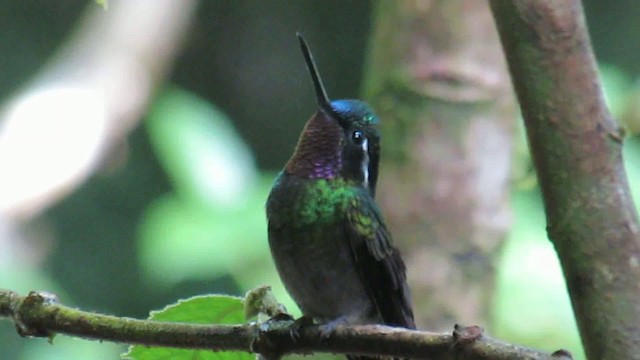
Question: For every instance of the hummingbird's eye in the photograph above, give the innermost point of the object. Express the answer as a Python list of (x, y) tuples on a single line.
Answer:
[(357, 137)]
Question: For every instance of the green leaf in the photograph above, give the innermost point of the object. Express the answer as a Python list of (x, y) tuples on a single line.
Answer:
[(209, 309), (205, 309)]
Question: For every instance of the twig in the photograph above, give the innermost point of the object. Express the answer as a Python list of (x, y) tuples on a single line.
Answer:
[(39, 315)]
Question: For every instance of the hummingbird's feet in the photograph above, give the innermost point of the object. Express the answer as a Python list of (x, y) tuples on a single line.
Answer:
[(280, 321), (327, 329), (297, 325)]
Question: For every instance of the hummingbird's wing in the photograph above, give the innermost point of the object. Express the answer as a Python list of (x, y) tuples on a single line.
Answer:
[(381, 268)]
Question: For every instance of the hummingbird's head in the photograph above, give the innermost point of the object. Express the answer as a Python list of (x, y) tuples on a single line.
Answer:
[(340, 140)]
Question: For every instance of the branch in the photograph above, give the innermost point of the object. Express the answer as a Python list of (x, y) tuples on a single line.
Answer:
[(576, 149), (39, 315)]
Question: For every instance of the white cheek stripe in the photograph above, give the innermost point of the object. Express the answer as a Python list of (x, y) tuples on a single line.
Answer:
[(365, 163)]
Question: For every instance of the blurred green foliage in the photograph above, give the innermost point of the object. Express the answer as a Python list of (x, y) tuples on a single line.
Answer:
[(531, 304), (103, 3), (213, 223)]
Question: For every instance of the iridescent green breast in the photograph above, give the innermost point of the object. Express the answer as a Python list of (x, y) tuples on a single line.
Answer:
[(322, 201), (296, 202)]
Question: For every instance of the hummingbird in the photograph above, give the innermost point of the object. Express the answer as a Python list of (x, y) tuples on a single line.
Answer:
[(327, 236)]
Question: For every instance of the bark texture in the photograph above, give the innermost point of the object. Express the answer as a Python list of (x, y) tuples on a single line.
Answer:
[(438, 80), (576, 148)]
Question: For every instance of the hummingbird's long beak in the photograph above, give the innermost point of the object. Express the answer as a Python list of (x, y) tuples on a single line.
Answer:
[(321, 94)]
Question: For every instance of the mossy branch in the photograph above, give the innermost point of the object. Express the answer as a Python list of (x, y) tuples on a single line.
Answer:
[(576, 148), (40, 315)]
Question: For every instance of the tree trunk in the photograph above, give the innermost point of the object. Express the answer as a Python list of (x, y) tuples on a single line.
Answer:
[(576, 148), (438, 80)]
